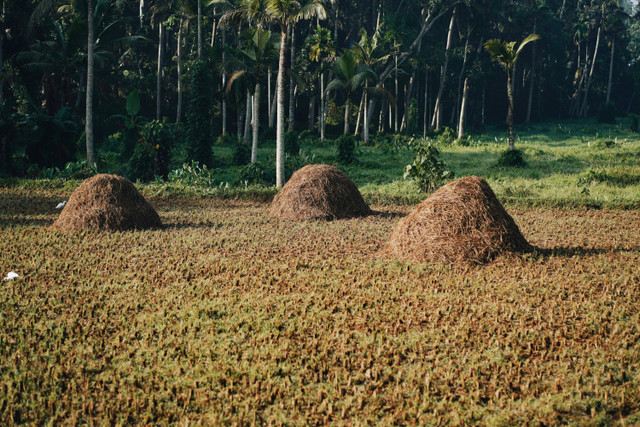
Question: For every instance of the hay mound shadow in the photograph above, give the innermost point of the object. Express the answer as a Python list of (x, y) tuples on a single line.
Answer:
[(107, 202), (319, 192), (461, 222)]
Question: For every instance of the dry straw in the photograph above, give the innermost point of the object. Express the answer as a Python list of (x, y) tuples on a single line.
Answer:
[(107, 202), (461, 222), (319, 192)]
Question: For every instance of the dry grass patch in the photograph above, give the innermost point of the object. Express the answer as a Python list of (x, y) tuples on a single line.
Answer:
[(232, 316)]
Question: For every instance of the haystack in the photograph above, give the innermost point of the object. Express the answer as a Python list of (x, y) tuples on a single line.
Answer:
[(107, 202), (319, 192), (462, 221)]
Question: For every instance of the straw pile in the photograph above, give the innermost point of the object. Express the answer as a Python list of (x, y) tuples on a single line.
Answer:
[(107, 202), (319, 192), (461, 222)]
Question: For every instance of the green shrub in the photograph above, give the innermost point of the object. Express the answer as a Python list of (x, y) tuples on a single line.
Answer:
[(607, 113), (225, 140), (193, 174), (511, 159), (447, 136), (602, 143), (241, 155), (633, 122), (253, 173), (427, 170), (152, 154), (72, 170), (345, 149), (291, 143)]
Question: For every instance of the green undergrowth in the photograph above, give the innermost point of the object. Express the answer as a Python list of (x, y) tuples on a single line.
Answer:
[(578, 163)]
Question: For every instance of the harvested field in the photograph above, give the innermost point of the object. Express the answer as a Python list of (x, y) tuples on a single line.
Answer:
[(230, 315)]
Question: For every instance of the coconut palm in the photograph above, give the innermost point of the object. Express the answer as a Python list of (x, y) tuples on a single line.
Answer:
[(251, 62), (283, 13), (506, 55), (350, 78)]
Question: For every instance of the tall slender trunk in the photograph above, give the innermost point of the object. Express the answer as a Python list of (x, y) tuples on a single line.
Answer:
[(395, 123), (280, 121), (461, 76), (141, 12), (256, 124), (240, 111), (159, 76), (510, 112), (365, 125), (463, 108), (248, 118), (312, 112), (613, 50), (562, 9), (199, 28), (91, 160), (437, 111), (224, 84), (269, 102), (532, 79), (425, 118), (213, 29), (347, 110), (583, 111), (359, 116), (323, 101), (292, 86), (179, 58)]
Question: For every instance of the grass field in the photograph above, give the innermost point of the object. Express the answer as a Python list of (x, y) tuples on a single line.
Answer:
[(230, 316)]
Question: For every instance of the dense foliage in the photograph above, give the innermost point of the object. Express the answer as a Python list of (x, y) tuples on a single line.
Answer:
[(408, 67)]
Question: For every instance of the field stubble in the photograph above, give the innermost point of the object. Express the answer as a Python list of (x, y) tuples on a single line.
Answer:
[(228, 315)]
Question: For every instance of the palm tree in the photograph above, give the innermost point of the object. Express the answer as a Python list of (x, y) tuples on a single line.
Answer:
[(350, 77), (321, 49), (506, 55), (91, 159), (283, 13), (258, 51)]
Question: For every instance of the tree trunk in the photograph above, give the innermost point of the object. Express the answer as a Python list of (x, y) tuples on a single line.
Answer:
[(437, 112), (199, 28), (141, 13), (179, 57), (425, 118), (510, 113), (395, 116), (583, 111), (292, 86), (532, 78), (280, 122), (323, 101), (347, 110), (256, 124), (159, 76), (224, 84), (365, 125), (562, 9), (269, 102), (247, 118), (91, 160), (359, 116), (240, 111), (213, 30), (460, 77), (463, 108), (613, 49)]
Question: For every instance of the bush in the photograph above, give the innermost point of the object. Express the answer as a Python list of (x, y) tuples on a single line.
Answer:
[(193, 174), (607, 113), (633, 122), (72, 170), (427, 170), (225, 140), (346, 149), (602, 143), (241, 155), (512, 159), (152, 154), (253, 173), (291, 143), (447, 136)]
